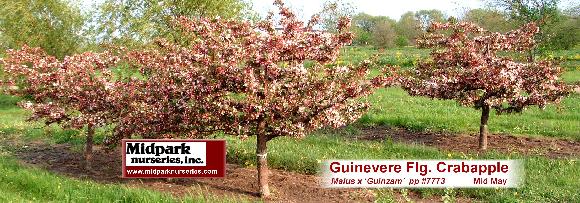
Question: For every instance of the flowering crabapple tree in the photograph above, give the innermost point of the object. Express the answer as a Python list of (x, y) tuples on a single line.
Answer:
[(474, 67), (74, 92), (247, 80)]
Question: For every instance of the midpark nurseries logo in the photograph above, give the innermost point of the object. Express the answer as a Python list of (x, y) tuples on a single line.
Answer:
[(153, 158)]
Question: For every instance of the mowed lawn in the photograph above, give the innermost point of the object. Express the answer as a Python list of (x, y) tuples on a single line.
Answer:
[(26, 184), (394, 107)]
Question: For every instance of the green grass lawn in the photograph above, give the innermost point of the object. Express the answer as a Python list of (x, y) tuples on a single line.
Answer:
[(571, 76), (25, 184), (20, 184), (394, 107), (404, 57)]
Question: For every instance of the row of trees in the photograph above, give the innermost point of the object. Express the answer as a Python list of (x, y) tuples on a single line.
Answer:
[(560, 28), (249, 79), (233, 77), (384, 32), (60, 28)]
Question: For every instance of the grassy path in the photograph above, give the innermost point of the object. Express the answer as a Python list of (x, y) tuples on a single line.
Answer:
[(19, 183)]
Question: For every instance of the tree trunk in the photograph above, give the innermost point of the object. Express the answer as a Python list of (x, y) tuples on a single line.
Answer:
[(483, 127), (89, 147), (262, 159)]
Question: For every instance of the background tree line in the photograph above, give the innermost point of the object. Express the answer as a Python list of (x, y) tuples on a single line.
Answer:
[(560, 28), (61, 28)]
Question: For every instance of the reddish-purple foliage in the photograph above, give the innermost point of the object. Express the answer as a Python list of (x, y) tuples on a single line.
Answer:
[(73, 92), (477, 68), (235, 76), (466, 66), (245, 80)]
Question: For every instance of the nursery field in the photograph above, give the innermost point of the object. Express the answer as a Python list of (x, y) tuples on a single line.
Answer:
[(394, 107), (397, 126)]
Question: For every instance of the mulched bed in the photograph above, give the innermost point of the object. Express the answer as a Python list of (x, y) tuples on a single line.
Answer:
[(240, 182)]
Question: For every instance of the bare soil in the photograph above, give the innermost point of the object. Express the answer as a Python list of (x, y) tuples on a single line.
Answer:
[(239, 183), (468, 143)]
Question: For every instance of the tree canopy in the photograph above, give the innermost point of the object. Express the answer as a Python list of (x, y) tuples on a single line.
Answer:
[(492, 20), (332, 11), (137, 22), (558, 28), (426, 17), (409, 27), (465, 66), (54, 25)]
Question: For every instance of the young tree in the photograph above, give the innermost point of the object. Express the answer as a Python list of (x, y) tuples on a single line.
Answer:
[(427, 17), (465, 66), (249, 80), (384, 33), (74, 92), (409, 27)]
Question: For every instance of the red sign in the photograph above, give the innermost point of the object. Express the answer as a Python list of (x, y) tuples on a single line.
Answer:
[(153, 158)]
